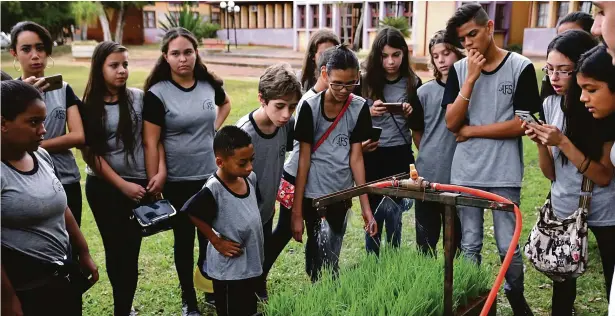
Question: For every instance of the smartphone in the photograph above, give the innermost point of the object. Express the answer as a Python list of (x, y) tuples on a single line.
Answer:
[(395, 108), (375, 134), (55, 82), (527, 116)]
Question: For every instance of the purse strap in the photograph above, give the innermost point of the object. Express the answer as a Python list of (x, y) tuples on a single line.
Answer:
[(587, 186), (330, 129)]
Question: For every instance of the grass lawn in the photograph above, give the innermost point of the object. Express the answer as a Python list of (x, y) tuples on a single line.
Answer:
[(158, 290)]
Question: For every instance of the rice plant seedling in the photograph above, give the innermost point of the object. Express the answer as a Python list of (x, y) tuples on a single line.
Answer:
[(400, 282)]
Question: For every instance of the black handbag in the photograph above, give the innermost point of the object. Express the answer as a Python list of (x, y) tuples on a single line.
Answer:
[(154, 216)]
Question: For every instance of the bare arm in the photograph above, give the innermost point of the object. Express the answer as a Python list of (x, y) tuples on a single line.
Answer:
[(223, 111), (78, 243), (501, 130), (102, 168), (545, 161), (416, 138), (225, 247), (305, 156), (357, 167), (600, 172), (456, 112), (75, 136), (151, 140)]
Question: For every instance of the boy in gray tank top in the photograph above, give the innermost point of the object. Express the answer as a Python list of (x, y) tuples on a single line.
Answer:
[(270, 127), (226, 212), (482, 92)]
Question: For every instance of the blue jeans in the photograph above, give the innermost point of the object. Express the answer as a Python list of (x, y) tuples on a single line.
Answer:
[(504, 226), (389, 219)]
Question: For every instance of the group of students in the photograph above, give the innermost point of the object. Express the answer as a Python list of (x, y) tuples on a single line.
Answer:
[(224, 181)]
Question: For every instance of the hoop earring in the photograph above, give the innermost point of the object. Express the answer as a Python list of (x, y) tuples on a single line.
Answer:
[(53, 63), (15, 66)]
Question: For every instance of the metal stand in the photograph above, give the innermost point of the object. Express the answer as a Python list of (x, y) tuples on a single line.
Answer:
[(450, 201)]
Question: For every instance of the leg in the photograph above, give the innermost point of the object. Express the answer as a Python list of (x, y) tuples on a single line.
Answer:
[(236, 298), (471, 219), (312, 226), (428, 221), (504, 226), (605, 238), (337, 220), (372, 244), (279, 238), (261, 289), (220, 295), (54, 298), (393, 225), (121, 240), (562, 300)]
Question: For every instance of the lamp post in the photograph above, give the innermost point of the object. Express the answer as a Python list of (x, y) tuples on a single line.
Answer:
[(236, 11), (229, 7)]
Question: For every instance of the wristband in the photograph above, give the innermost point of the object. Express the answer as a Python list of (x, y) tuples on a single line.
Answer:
[(461, 95)]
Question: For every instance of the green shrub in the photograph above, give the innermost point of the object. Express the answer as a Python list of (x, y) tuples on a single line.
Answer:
[(190, 20), (517, 48), (400, 23), (401, 282)]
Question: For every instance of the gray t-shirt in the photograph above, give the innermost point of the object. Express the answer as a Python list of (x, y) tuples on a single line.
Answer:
[(567, 185), (58, 102), (233, 217), (186, 116), (438, 143), (32, 213), (117, 158), (269, 153), (395, 130), (485, 162), (330, 163), (292, 162)]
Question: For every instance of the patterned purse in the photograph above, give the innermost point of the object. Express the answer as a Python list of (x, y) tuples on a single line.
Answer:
[(558, 247)]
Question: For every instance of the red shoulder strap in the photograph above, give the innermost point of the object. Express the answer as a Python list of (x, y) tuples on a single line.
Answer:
[(330, 129)]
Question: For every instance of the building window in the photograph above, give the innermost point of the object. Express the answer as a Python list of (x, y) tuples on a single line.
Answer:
[(586, 6), (375, 14), (500, 17), (174, 15), (543, 13), (301, 15), (149, 19), (328, 16), (215, 15), (562, 9), (315, 14), (390, 9)]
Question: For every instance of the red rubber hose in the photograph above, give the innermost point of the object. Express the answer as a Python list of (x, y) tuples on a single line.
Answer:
[(513, 243)]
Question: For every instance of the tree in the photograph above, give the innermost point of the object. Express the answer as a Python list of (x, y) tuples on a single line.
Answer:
[(116, 7), (191, 21), (357, 39), (85, 13), (104, 21), (400, 23), (53, 15)]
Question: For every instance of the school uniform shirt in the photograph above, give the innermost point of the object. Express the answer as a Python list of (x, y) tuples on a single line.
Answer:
[(566, 188), (613, 155), (117, 157), (484, 162), (395, 127), (269, 153), (438, 144), (186, 116), (330, 163), (32, 217), (292, 162), (233, 217), (57, 103)]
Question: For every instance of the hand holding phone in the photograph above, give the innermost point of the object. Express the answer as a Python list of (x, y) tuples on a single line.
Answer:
[(375, 133), (55, 82), (527, 117), (394, 108)]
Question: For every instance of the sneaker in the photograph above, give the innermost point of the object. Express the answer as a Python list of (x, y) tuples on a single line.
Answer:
[(518, 304), (210, 299), (133, 312), (190, 309)]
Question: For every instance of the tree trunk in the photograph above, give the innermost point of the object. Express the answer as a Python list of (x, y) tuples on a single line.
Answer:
[(344, 23), (104, 22), (121, 20), (358, 34), (84, 32)]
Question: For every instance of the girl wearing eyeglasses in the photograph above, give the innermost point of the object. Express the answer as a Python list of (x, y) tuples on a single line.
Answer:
[(330, 162), (572, 144), (389, 79)]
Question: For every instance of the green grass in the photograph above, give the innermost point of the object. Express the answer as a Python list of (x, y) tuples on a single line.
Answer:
[(158, 291), (400, 282)]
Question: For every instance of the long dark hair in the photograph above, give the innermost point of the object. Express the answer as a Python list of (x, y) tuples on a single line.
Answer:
[(308, 72), (162, 69), (572, 44), (375, 78), (583, 130), (94, 115), (440, 37)]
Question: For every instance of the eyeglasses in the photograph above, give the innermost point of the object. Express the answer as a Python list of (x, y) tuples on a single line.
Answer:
[(558, 73), (340, 86)]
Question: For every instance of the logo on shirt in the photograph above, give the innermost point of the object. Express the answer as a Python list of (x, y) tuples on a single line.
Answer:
[(403, 98), (208, 105), (59, 114), (341, 140), (282, 150), (506, 88), (136, 118), (57, 185)]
